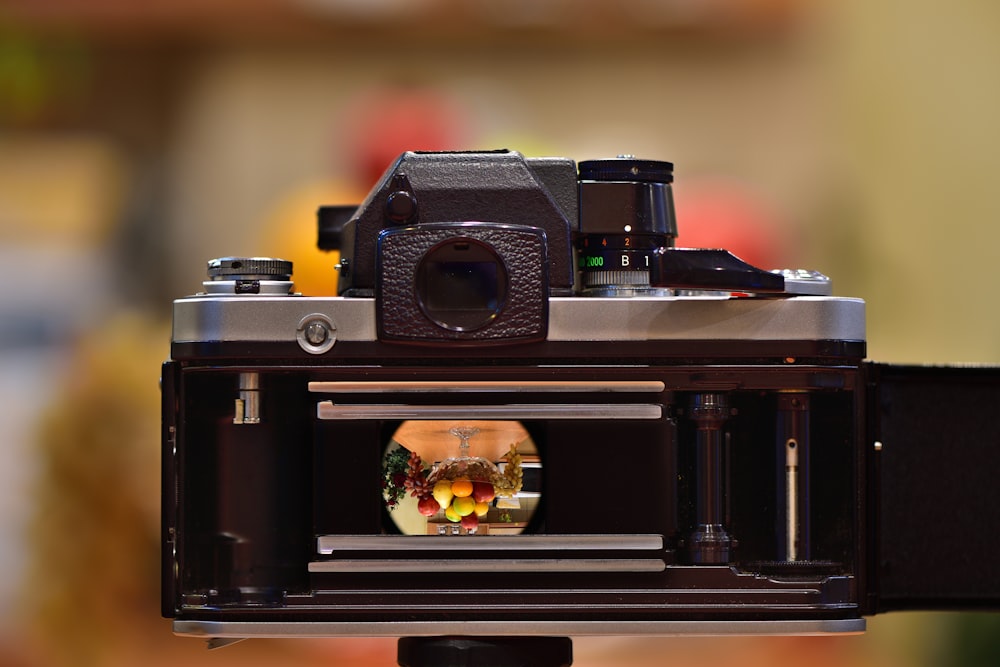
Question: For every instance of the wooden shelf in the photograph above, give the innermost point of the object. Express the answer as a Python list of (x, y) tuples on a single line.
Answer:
[(440, 20)]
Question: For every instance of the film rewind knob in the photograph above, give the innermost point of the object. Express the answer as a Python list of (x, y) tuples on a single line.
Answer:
[(249, 275)]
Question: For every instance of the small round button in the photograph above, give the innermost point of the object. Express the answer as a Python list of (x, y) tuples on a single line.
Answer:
[(316, 333), (400, 207)]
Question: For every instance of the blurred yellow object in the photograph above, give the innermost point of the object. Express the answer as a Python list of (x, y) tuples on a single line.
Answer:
[(94, 536), (290, 233), (91, 595), (68, 188)]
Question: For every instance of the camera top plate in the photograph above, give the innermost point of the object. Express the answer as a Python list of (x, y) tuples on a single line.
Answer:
[(211, 322)]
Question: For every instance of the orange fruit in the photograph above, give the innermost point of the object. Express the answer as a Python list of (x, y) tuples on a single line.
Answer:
[(461, 488)]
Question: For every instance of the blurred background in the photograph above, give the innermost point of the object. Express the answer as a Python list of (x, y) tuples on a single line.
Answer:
[(138, 140)]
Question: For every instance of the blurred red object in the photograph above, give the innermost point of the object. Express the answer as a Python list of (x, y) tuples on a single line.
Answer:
[(383, 123), (719, 214)]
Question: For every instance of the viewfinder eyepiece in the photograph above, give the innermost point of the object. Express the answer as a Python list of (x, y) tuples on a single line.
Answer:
[(461, 284)]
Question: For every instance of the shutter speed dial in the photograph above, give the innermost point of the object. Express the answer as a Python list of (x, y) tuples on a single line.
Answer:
[(627, 213)]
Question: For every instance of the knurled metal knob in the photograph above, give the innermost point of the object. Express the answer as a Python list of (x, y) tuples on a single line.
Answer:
[(249, 268), (627, 168)]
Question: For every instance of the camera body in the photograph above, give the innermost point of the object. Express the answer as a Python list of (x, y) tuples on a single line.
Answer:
[(527, 413)]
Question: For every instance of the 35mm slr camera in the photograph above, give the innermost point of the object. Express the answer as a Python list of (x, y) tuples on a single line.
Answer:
[(528, 414)]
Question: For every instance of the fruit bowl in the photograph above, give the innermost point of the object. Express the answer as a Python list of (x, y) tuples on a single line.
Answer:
[(461, 488), (472, 468)]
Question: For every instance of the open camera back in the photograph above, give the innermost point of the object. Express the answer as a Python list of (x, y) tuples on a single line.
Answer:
[(527, 413)]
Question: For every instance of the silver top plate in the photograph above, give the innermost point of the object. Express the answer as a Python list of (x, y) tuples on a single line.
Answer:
[(216, 318)]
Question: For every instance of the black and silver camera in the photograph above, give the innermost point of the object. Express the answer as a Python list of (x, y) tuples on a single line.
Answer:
[(528, 414)]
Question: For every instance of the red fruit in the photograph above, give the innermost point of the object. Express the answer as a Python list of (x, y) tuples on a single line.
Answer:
[(482, 492), (470, 521), (428, 506)]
